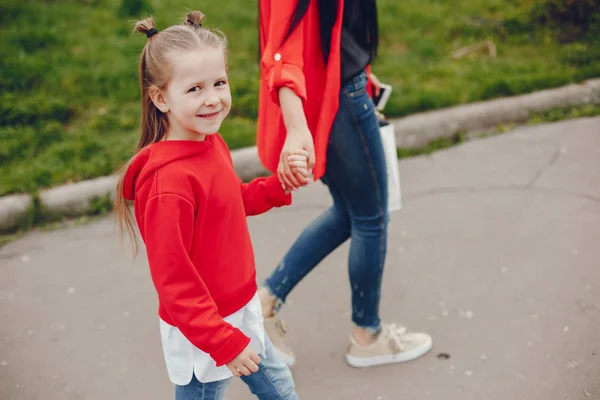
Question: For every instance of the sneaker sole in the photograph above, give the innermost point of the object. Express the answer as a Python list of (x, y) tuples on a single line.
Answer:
[(290, 361), (363, 362)]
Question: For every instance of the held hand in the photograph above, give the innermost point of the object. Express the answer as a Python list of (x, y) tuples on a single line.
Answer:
[(299, 141), (245, 363), (376, 83), (299, 166)]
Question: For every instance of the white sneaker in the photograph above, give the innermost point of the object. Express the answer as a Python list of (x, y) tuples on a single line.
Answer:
[(393, 345)]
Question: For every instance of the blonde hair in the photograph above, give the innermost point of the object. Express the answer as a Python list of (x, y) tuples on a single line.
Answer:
[(154, 70)]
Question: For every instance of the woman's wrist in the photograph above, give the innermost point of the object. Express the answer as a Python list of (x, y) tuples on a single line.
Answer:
[(292, 111), (297, 128)]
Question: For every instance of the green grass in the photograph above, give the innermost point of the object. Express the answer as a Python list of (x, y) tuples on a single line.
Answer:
[(39, 218), (553, 115), (69, 91), (434, 145), (559, 114)]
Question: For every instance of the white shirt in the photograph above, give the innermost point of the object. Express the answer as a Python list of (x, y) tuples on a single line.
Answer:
[(183, 359)]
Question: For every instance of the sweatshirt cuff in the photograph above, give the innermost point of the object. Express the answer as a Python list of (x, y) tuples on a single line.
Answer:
[(275, 192), (231, 348)]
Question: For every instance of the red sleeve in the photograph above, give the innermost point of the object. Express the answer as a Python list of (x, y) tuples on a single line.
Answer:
[(283, 62), (370, 86), (262, 194), (168, 226)]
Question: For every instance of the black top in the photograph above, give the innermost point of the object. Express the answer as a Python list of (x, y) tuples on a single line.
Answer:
[(355, 48)]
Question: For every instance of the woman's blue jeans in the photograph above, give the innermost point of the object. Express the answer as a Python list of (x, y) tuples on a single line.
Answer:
[(357, 179)]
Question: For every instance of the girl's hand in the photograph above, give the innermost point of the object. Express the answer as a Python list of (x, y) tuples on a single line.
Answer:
[(245, 363), (299, 166), (299, 141)]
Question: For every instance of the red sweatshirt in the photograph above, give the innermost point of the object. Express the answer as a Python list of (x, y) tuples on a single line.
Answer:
[(191, 210)]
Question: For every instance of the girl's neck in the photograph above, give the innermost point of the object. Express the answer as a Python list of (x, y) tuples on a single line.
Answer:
[(173, 134)]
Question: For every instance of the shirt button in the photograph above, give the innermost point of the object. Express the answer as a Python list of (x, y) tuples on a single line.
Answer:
[(277, 57)]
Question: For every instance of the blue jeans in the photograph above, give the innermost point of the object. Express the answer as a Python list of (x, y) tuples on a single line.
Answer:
[(273, 381), (356, 176)]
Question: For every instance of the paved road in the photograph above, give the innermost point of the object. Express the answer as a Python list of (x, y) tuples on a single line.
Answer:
[(496, 253)]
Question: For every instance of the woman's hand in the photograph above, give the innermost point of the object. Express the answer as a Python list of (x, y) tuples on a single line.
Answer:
[(298, 140), (376, 83), (291, 171)]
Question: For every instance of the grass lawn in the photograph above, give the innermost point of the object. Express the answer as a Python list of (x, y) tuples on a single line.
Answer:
[(69, 91)]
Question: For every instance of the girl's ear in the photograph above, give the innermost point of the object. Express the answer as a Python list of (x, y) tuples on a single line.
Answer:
[(158, 99)]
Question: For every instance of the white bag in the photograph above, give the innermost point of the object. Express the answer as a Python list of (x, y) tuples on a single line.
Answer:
[(388, 137)]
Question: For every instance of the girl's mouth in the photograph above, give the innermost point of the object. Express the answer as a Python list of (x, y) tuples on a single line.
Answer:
[(210, 115)]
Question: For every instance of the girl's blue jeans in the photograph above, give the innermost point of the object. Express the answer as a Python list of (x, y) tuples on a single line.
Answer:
[(273, 381)]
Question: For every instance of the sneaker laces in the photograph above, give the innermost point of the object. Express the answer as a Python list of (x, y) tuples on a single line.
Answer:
[(394, 333), (281, 326)]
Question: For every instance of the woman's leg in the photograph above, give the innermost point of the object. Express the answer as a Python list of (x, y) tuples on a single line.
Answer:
[(356, 164), (319, 239), (356, 178)]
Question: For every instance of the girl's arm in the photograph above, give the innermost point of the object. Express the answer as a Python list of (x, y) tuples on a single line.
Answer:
[(168, 225), (262, 194)]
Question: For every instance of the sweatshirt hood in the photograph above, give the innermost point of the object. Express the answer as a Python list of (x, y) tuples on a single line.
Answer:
[(156, 156)]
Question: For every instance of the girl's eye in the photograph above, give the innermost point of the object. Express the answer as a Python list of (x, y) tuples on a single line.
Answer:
[(220, 83), (194, 89)]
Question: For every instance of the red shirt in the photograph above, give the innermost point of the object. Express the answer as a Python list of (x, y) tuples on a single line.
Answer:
[(191, 211), (297, 64)]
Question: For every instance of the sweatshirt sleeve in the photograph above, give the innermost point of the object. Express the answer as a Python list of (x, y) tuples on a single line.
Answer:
[(283, 61), (262, 194), (168, 225)]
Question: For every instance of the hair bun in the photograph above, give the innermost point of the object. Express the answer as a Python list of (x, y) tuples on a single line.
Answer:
[(146, 27), (194, 19)]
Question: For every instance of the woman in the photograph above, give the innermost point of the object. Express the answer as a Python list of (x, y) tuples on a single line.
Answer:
[(313, 97)]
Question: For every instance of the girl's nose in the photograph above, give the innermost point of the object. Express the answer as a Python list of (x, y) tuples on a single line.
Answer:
[(211, 101)]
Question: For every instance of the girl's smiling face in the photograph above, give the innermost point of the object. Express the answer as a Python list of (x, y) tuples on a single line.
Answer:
[(197, 97)]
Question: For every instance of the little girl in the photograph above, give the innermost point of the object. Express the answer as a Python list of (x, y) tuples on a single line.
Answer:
[(191, 210)]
